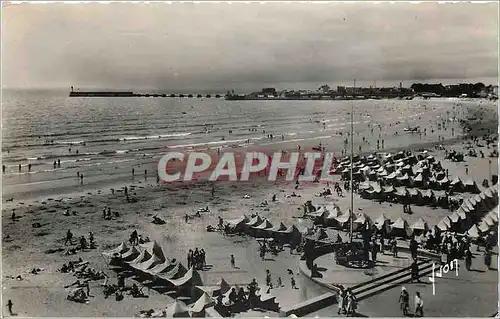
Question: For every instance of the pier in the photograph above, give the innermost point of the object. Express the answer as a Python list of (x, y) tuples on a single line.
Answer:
[(133, 94)]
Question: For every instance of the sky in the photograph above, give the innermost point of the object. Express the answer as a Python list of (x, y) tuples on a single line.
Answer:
[(220, 46)]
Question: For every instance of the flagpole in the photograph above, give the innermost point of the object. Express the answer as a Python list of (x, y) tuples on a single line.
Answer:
[(352, 164)]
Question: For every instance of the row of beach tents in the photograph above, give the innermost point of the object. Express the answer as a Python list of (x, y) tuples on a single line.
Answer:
[(259, 227), (420, 171), (479, 211), (149, 262), (467, 217), (331, 216)]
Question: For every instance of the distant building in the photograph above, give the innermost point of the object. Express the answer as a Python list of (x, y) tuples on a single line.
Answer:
[(269, 91)]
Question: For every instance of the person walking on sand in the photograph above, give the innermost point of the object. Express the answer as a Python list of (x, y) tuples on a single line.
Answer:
[(133, 172), (69, 238), (268, 277), (145, 174), (468, 259), (404, 301), (81, 179), (233, 263), (352, 303), (341, 300), (419, 305), (9, 307), (293, 283)]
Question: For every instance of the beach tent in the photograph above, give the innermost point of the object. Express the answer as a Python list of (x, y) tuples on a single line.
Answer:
[(254, 221), (420, 225), (177, 271), (120, 249), (457, 185), (418, 181), (488, 220), (319, 235), (130, 254), (250, 226), (201, 304), (429, 196), (361, 221), (454, 217), (383, 173), (277, 228), (389, 190), (263, 230), (382, 223), (330, 218), (443, 182), (291, 235), (191, 277), (380, 170), (400, 228), (493, 215), (177, 309), (342, 220), (483, 227), (143, 256), (238, 224), (404, 180), (391, 176), (418, 171), (474, 232), (153, 248), (222, 287), (161, 268), (461, 212), (444, 224), (471, 187), (415, 195), (147, 264)]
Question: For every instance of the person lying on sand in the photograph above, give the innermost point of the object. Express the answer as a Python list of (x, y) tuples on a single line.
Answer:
[(204, 210), (78, 284)]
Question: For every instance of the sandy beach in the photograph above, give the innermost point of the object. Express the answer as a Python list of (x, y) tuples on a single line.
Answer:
[(41, 200)]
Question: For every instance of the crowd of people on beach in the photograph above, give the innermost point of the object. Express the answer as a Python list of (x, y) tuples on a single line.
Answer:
[(196, 258)]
